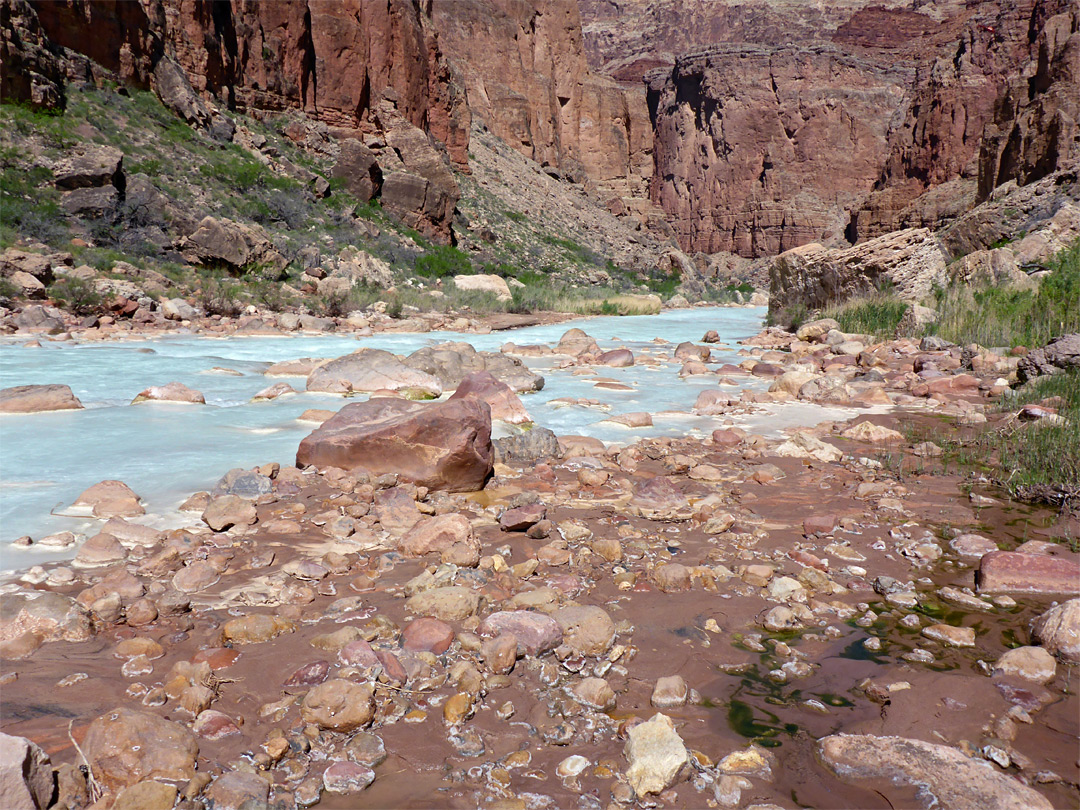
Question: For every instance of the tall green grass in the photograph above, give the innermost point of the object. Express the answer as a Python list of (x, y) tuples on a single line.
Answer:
[(1005, 316), (1036, 454), (878, 315)]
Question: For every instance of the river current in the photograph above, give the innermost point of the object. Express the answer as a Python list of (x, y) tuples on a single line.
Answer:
[(167, 451)]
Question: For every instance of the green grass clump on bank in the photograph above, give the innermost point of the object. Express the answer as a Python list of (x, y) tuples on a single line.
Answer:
[(1006, 316), (878, 315), (1036, 461), (443, 261), (1037, 454)]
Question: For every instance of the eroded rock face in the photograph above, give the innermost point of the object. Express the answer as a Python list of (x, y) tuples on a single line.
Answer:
[(524, 67), (911, 261), (941, 776), (740, 181), (443, 446), (935, 107)]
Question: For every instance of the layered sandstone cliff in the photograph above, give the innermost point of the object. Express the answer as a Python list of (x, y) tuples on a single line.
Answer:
[(364, 69), (907, 118), (761, 149), (998, 101), (330, 60), (528, 80)]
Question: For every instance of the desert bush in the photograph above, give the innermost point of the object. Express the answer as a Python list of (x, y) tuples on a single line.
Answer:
[(442, 261), (218, 296), (790, 317), (8, 290), (77, 295)]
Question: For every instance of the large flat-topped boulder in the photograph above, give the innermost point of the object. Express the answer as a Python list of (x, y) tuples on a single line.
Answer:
[(445, 445), (373, 370), (38, 398), (1013, 572)]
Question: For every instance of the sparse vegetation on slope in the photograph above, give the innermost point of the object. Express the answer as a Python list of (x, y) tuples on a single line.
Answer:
[(175, 175)]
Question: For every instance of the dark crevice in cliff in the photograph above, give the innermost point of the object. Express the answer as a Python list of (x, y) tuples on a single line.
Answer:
[(309, 84)]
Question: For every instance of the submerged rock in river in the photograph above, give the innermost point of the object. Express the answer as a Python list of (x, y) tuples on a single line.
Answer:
[(38, 398)]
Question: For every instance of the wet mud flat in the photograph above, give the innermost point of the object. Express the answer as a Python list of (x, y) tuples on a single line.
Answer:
[(796, 599)]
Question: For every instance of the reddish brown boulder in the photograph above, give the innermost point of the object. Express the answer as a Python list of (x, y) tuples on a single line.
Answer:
[(36, 398), (616, 358), (536, 633), (522, 517), (444, 446), (126, 746), (1009, 572), (427, 635)]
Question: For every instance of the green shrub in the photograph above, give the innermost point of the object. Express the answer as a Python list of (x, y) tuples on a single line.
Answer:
[(76, 295), (8, 290), (443, 261), (218, 296), (790, 317)]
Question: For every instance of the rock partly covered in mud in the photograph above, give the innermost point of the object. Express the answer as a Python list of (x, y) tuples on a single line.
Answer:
[(111, 499), (126, 746), (51, 616), (943, 777), (444, 446), (38, 398), (656, 755), (339, 705), (26, 775)]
